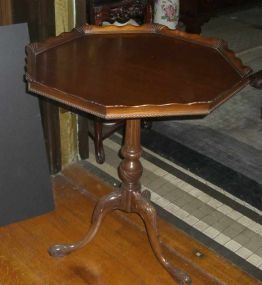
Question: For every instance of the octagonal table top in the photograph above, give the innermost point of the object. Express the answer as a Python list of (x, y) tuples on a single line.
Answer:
[(129, 72)]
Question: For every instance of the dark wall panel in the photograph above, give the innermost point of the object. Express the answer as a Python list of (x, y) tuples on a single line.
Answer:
[(25, 186)]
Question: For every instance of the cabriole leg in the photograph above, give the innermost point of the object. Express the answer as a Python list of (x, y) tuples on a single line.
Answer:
[(103, 206), (148, 213)]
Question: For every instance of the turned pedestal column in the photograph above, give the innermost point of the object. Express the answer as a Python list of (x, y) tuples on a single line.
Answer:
[(130, 199)]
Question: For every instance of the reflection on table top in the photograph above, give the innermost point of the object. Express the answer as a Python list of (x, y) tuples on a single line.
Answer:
[(130, 71)]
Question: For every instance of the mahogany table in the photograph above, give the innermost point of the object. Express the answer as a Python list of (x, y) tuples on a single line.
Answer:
[(132, 73)]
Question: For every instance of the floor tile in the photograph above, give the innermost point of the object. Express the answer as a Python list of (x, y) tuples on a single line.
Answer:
[(197, 209)]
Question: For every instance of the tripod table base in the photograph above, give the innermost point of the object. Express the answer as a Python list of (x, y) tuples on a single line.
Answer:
[(128, 198)]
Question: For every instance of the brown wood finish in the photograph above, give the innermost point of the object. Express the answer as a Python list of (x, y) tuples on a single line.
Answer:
[(67, 69), (179, 247), (51, 128), (24, 259), (39, 15), (98, 140), (130, 199), (121, 11), (81, 12), (83, 126), (6, 12), (101, 130), (193, 14), (196, 85), (83, 138)]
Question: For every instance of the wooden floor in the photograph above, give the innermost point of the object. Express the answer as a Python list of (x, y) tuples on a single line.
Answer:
[(119, 255)]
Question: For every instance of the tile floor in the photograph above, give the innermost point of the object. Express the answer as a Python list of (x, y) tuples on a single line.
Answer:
[(235, 232)]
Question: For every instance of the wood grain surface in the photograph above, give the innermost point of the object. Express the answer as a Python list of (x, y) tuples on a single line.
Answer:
[(120, 253), (130, 72), (5, 12)]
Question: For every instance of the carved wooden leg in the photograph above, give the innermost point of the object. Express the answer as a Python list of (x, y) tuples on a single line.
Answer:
[(130, 199), (98, 140), (148, 213), (83, 136), (51, 127), (133, 200), (103, 206)]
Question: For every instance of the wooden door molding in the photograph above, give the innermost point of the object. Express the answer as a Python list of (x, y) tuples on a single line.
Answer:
[(5, 12), (83, 137), (81, 12)]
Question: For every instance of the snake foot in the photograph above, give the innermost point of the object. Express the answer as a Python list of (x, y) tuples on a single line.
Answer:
[(60, 250)]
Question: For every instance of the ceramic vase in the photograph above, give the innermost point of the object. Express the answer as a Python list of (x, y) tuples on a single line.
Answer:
[(166, 12)]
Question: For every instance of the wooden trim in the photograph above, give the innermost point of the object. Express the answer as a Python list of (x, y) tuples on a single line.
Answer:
[(83, 127), (86, 29), (6, 12), (50, 111), (147, 28), (83, 136), (117, 112), (52, 42), (123, 112), (51, 127), (46, 19), (81, 12), (217, 44)]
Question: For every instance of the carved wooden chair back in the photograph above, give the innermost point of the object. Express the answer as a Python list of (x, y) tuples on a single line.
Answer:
[(111, 11), (122, 11)]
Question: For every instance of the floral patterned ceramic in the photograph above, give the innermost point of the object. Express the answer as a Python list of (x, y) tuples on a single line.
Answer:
[(166, 12)]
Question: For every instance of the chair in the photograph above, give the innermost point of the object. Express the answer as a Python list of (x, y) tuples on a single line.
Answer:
[(100, 11), (121, 11)]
